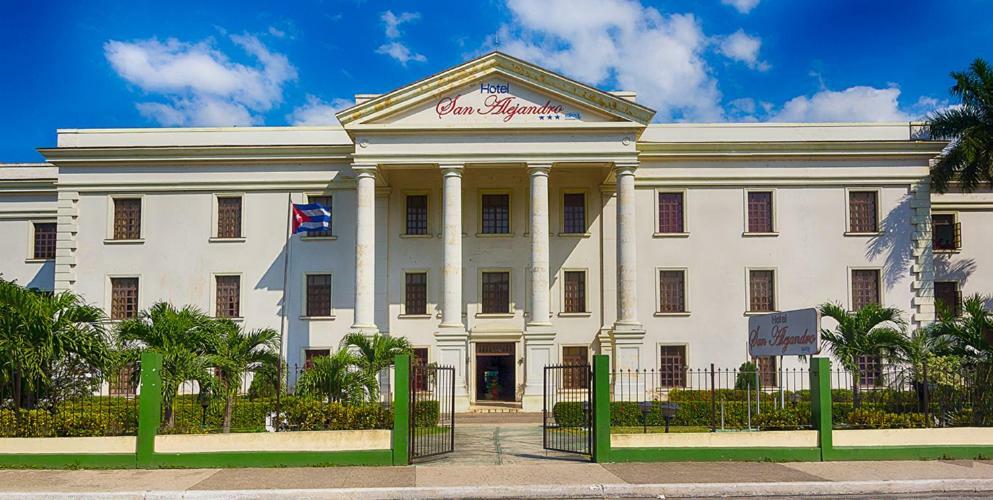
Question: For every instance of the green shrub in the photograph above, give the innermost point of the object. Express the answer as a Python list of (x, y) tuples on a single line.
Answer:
[(570, 413), (26, 423), (781, 419), (427, 413), (879, 419), (310, 414)]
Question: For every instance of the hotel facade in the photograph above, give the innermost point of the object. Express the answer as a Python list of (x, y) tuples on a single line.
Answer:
[(502, 218)]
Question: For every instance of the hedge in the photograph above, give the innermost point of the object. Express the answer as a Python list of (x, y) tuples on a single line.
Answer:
[(427, 413)]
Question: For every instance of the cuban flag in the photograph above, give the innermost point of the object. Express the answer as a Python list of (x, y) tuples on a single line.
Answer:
[(311, 217)]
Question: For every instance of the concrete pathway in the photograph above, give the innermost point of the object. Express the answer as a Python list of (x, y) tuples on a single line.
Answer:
[(500, 444)]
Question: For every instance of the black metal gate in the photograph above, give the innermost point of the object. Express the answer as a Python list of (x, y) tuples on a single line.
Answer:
[(568, 409), (432, 410)]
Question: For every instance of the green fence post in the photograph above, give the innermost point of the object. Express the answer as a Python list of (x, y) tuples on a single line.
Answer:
[(601, 408), (149, 408), (820, 403), (401, 409)]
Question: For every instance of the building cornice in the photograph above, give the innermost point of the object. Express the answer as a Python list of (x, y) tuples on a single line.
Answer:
[(788, 149), (196, 154)]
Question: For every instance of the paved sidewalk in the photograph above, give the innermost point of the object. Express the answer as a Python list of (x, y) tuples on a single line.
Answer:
[(532, 479)]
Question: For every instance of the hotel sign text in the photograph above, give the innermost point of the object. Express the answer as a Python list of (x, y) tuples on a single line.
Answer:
[(787, 333), (495, 99)]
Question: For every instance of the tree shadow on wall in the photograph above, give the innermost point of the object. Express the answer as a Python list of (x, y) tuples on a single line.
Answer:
[(894, 242)]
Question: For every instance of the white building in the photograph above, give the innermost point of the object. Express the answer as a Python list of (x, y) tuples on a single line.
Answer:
[(501, 217)]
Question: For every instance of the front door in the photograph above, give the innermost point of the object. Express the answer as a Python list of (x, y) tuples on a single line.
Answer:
[(496, 371)]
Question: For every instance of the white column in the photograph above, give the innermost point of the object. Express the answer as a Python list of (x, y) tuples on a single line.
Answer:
[(365, 249), (539, 337), (628, 331), (539, 245), (451, 306), (452, 338)]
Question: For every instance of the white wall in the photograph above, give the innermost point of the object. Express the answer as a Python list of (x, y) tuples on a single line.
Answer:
[(27, 195), (971, 265)]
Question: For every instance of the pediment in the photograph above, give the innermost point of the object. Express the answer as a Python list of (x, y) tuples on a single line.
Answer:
[(495, 90)]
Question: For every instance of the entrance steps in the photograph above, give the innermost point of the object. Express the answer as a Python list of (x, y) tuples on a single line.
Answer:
[(495, 408), (498, 413)]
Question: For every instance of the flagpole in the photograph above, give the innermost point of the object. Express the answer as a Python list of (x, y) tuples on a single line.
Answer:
[(282, 319)]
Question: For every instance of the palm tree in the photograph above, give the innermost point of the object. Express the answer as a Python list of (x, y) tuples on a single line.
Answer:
[(44, 335), (971, 335), (236, 351), (865, 332), (184, 337), (337, 377), (969, 127), (375, 353)]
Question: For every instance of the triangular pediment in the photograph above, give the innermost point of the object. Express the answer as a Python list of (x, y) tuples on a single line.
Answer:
[(495, 90)]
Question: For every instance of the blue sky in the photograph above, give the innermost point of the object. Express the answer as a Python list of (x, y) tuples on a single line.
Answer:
[(147, 64)]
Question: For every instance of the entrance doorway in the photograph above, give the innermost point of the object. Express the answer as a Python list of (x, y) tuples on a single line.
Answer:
[(496, 371)]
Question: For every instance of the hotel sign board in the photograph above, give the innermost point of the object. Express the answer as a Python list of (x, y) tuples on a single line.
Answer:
[(787, 333)]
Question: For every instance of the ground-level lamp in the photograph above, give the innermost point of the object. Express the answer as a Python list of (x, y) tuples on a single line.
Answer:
[(668, 411)]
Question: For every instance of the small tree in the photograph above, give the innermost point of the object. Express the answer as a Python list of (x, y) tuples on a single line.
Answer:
[(971, 335), (184, 337), (374, 354), (234, 352), (46, 336), (337, 377), (873, 330)]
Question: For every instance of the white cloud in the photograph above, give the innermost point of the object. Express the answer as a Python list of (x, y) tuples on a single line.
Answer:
[(395, 47), (393, 21), (400, 52), (201, 84), (742, 6), (618, 41), (276, 32), (742, 47), (854, 104), (318, 112)]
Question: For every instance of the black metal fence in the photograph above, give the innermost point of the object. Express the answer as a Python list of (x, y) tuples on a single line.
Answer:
[(568, 408), (70, 404), (939, 394), (432, 411), (709, 399)]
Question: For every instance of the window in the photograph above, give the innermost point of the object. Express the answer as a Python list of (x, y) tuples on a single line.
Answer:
[(672, 291), (760, 212), (577, 356), (310, 354), (671, 213), (574, 213), (948, 298), (123, 298), (946, 233), (496, 214), (415, 296), (574, 292), (767, 371), (420, 363), (865, 288), (496, 292), (417, 214), (124, 383), (127, 218), (871, 370), (229, 217), (761, 291), (324, 201), (862, 212), (44, 240), (228, 297), (672, 366), (318, 295)]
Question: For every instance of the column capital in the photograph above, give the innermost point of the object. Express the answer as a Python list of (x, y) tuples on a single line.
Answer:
[(364, 169), (626, 167), (539, 167), (451, 168)]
